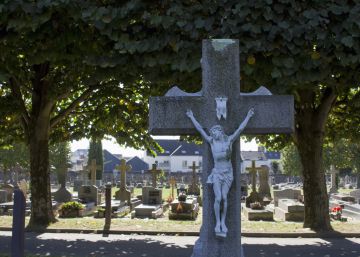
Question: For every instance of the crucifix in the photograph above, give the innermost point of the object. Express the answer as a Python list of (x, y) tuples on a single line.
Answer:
[(170, 115), (123, 168), (154, 172), (172, 183), (92, 169)]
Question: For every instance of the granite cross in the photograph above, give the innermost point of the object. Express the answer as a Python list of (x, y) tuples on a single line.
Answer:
[(253, 171), (154, 172), (172, 183), (123, 169), (92, 169), (221, 79)]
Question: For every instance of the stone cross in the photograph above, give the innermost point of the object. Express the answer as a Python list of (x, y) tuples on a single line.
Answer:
[(172, 183), (194, 184), (333, 172), (123, 169), (253, 171), (221, 78), (92, 169), (154, 172)]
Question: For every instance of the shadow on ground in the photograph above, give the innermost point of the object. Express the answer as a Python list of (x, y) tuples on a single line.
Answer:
[(129, 246)]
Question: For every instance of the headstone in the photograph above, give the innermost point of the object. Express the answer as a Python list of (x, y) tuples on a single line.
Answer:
[(77, 184), (264, 188), (194, 188), (10, 191), (154, 173), (23, 187), (151, 196), (356, 195), (289, 210), (90, 194), (62, 195), (254, 195), (92, 167), (184, 210), (333, 173), (18, 227), (221, 79), (3, 196), (288, 193), (123, 194)]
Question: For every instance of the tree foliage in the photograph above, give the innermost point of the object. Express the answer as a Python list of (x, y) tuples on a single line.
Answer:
[(60, 158), (291, 162)]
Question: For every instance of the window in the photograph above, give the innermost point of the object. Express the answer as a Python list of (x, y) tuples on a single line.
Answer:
[(183, 151), (184, 164), (196, 152)]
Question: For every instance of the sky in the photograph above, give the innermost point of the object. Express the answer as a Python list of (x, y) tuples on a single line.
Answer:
[(114, 148)]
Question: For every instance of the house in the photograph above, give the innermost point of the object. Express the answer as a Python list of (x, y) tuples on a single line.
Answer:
[(176, 157)]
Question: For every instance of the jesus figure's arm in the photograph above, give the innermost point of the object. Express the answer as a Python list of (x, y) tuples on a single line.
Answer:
[(236, 134), (198, 127)]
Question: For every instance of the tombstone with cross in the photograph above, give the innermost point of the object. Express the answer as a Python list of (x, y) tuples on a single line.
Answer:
[(154, 174), (172, 182), (123, 194), (194, 188), (333, 173), (221, 79), (254, 195)]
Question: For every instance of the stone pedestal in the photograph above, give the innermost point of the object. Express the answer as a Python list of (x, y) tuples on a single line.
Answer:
[(289, 210)]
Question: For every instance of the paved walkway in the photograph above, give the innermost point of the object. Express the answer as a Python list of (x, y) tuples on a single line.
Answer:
[(59, 244)]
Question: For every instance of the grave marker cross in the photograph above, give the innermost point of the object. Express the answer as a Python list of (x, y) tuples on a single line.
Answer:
[(123, 169), (221, 79), (154, 171), (92, 169), (253, 170), (172, 183)]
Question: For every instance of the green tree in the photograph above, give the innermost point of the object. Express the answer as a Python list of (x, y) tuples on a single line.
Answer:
[(96, 153), (291, 162), (275, 167), (60, 80), (60, 159), (13, 159)]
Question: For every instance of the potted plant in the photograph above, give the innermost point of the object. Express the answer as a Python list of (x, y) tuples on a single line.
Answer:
[(71, 210)]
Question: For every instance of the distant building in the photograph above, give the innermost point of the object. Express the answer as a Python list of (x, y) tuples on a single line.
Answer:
[(177, 156)]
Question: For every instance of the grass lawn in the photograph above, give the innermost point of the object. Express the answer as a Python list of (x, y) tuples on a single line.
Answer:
[(164, 224)]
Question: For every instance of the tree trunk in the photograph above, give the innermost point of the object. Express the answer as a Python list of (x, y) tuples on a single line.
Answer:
[(309, 139), (38, 139), (41, 207)]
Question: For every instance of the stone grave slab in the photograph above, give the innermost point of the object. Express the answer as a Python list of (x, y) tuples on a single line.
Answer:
[(258, 215), (286, 194), (356, 195), (289, 210), (184, 210), (343, 197)]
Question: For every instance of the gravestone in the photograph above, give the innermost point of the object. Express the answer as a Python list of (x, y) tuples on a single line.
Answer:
[(3, 196), (356, 195), (254, 195), (152, 203), (288, 193), (92, 168), (18, 227), (77, 184), (264, 188), (333, 173), (89, 194), (154, 173), (151, 196), (194, 188), (10, 191), (289, 210), (221, 79), (123, 194), (62, 195)]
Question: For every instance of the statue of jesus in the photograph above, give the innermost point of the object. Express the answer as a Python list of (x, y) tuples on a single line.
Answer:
[(222, 174)]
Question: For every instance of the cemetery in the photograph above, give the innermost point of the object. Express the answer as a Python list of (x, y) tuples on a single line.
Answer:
[(179, 128)]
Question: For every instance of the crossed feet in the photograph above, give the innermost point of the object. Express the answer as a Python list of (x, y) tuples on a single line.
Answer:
[(221, 230)]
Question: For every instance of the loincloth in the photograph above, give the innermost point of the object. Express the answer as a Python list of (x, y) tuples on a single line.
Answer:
[(222, 176)]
